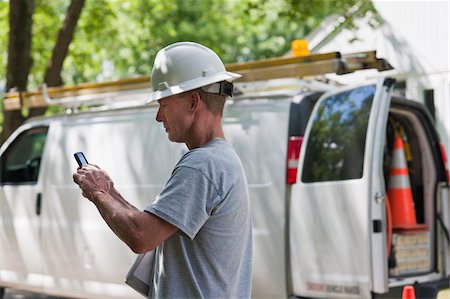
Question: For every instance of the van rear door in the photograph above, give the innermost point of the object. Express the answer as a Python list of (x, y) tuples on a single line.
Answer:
[(337, 218)]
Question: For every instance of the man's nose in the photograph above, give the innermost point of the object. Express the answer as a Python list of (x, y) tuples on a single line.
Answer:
[(159, 115)]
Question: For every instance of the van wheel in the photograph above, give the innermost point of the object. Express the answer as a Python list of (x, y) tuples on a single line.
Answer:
[(2, 292)]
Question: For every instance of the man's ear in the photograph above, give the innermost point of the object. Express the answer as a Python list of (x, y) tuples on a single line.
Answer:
[(195, 101)]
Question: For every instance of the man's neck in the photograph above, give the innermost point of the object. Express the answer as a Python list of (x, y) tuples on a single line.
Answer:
[(206, 131)]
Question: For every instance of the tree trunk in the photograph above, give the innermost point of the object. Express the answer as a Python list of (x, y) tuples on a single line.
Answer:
[(19, 55), (52, 75), (19, 58), (65, 36)]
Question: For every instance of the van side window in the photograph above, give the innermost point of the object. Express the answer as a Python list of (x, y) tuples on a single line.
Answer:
[(336, 145), (21, 161)]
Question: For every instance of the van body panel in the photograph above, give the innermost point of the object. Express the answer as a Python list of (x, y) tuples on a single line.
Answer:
[(18, 217), (257, 129), (333, 204)]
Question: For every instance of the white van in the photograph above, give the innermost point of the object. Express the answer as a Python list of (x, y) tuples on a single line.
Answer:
[(318, 198)]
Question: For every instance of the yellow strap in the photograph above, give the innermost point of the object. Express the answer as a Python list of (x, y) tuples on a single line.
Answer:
[(406, 147)]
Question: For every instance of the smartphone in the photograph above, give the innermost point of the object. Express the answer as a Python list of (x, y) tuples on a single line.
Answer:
[(81, 159)]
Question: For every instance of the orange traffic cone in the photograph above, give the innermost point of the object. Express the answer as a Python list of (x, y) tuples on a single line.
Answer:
[(408, 293), (399, 190)]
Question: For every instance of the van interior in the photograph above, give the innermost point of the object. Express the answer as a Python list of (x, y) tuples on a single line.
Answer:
[(410, 249)]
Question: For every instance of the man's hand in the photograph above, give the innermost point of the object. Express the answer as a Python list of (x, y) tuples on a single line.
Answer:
[(141, 231), (93, 181)]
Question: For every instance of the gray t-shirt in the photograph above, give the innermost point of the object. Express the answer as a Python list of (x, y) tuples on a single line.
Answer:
[(207, 199)]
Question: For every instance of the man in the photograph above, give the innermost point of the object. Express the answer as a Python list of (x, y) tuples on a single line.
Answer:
[(200, 223)]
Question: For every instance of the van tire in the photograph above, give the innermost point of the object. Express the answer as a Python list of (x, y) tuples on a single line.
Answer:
[(2, 292)]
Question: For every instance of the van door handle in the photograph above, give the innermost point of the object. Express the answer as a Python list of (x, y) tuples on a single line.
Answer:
[(380, 198), (38, 203)]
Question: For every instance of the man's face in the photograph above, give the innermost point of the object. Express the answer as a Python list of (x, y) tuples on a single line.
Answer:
[(174, 113)]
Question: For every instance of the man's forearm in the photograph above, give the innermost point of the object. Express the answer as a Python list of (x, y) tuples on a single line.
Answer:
[(120, 216)]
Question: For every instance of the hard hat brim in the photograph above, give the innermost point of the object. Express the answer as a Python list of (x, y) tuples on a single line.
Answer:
[(191, 85)]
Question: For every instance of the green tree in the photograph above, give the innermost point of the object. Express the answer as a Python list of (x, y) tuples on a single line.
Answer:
[(119, 38), (20, 58)]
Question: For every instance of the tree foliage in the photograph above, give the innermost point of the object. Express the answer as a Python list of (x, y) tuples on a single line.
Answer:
[(117, 39)]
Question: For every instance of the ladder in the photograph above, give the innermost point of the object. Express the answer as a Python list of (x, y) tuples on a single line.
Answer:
[(273, 68)]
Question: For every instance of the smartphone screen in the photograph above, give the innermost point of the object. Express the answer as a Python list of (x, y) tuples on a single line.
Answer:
[(81, 159)]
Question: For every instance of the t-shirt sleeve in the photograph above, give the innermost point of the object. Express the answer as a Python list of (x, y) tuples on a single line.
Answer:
[(186, 201)]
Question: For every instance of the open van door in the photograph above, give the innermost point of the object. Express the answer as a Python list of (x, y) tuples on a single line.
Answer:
[(337, 220)]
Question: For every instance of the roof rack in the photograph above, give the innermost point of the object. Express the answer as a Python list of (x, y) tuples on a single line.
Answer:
[(123, 90)]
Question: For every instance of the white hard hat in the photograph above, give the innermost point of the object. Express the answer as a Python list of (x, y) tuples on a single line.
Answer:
[(186, 66)]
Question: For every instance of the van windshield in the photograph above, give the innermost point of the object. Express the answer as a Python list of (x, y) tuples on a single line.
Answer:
[(336, 144)]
